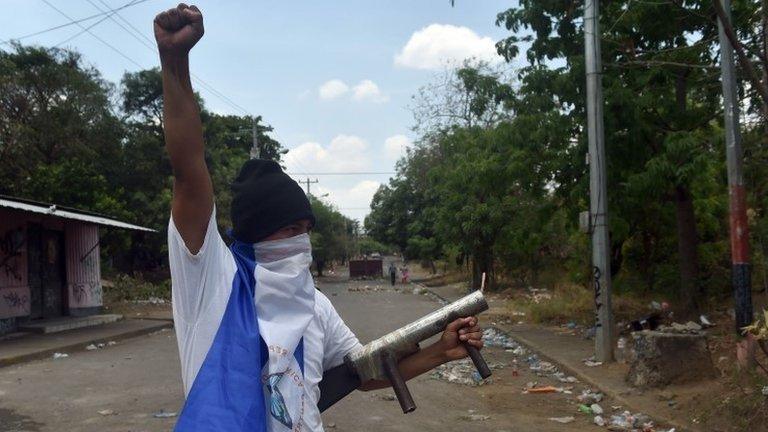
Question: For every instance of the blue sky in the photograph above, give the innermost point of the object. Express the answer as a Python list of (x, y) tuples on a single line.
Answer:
[(333, 78)]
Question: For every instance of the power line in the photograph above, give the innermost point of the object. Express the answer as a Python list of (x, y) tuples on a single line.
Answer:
[(109, 14), (342, 173), (86, 29), (72, 22), (150, 44), (94, 35)]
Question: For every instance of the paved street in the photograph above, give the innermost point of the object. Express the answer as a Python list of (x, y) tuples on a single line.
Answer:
[(138, 378)]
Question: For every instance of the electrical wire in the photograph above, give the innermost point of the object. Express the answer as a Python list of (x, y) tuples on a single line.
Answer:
[(150, 45), (109, 15), (71, 23), (343, 173), (86, 29), (94, 35)]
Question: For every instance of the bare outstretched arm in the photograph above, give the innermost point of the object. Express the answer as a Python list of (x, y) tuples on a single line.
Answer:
[(177, 30)]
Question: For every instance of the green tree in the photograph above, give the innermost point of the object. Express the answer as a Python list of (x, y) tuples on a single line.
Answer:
[(331, 236), (661, 90)]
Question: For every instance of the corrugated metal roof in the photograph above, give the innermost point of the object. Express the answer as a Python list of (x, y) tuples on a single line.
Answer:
[(66, 213)]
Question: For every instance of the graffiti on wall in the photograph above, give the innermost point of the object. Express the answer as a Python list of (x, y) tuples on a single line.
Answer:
[(16, 302), (11, 243), (86, 294)]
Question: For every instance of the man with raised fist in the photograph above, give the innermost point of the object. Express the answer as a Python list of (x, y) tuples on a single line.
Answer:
[(254, 335)]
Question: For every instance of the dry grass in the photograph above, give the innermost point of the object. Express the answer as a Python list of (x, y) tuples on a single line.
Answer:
[(573, 303)]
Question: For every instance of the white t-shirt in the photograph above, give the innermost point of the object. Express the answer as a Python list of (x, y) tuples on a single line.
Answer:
[(201, 285)]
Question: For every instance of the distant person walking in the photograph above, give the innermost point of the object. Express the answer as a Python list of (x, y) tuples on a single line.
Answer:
[(392, 273), (404, 272)]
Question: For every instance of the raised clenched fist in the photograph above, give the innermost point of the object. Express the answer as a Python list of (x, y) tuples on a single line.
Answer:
[(177, 30)]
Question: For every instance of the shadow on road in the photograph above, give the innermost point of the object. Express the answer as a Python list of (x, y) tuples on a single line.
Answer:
[(13, 422)]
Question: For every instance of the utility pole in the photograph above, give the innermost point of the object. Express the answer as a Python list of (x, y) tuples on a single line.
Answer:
[(255, 150), (740, 269), (308, 182), (598, 188)]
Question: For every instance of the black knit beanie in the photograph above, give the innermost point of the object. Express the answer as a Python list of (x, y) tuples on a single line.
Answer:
[(265, 199)]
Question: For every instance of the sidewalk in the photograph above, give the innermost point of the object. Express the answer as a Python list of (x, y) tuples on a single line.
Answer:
[(30, 346), (567, 351)]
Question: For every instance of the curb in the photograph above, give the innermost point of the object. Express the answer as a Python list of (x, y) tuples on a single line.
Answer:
[(76, 347), (565, 367)]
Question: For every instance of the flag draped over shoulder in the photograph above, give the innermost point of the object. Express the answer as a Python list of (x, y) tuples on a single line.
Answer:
[(250, 380)]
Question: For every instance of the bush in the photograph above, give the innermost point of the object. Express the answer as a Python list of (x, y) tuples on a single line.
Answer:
[(574, 303), (127, 288), (568, 303)]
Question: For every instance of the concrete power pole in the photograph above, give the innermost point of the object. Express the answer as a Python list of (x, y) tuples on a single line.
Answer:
[(255, 150), (598, 188), (308, 182), (740, 268)]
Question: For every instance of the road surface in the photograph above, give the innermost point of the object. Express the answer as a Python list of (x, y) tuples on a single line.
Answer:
[(128, 386)]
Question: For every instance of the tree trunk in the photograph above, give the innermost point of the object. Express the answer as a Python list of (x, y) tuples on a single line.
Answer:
[(687, 248), (482, 262)]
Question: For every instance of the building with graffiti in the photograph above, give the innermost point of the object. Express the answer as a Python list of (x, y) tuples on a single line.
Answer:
[(49, 261)]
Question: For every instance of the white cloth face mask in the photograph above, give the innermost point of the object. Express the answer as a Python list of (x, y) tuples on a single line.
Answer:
[(285, 305)]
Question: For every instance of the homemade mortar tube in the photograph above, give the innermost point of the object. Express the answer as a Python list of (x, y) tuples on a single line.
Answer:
[(378, 359)]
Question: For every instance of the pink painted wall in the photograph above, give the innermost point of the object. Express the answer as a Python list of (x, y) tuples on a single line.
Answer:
[(83, 265), (14, 290), (83, 272)]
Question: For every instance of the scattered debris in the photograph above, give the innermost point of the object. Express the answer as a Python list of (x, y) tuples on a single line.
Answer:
[(91, 347), (628, 421), (545, 389), (387, 397), (599, 420), (585, 409), (163, 414), (495, 338), (475, 417), (563, 420), (597, 409), (675, 327), (463, 372), (111, 343), (331, 425), (566, 379), (591, 362), (152, 300), (107, 412), (705, 322), (765, 390), (57, 356), (650, 322), (589, 397)]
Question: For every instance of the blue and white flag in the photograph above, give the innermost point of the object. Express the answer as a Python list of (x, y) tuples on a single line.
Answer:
[(252, 378)]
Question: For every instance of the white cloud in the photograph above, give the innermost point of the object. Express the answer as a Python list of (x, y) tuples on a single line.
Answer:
[(353, 201), (332, 89), (395, 146), (344, 153), (367, 90), (436, 45)]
